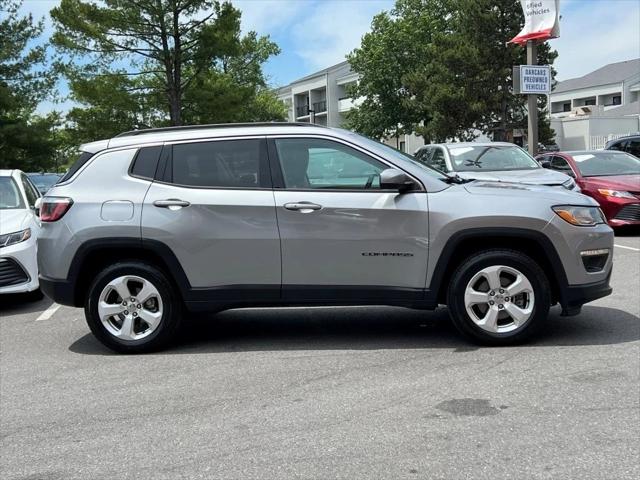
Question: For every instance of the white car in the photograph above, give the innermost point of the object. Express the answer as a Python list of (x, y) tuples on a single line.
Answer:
[(19, 227)]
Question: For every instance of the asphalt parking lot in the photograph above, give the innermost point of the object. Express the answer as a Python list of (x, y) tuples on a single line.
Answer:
[(326, 393)]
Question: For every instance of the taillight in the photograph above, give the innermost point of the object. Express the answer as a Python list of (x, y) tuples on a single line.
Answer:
[(53, 208)]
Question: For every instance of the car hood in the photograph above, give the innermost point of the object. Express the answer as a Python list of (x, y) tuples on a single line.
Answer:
[(13, 220), (628, 183), (537, 176), (558, 196)]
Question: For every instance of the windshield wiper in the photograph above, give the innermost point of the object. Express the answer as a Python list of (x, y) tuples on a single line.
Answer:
[(456, 179)]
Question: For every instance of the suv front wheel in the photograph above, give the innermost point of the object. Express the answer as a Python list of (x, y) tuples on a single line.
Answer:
[(132, 308), (499, 297)]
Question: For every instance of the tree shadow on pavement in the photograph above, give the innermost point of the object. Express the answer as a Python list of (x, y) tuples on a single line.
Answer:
[(369, 328)]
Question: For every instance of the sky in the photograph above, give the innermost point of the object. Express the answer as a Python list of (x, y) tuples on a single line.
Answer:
[(315, 34)]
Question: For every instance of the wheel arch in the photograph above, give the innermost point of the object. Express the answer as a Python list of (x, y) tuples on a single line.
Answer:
[(94, 255), (465, 243)]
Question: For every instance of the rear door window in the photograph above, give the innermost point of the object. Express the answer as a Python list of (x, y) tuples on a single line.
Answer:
[(633, 147), (220, 164), (618, 146)]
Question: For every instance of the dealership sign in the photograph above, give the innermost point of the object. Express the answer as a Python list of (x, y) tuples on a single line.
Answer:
[(541, 21), (535, 79)]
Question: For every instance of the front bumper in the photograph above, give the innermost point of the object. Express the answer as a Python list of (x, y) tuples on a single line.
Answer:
[(21, 257), (628, 214), (574, 296)]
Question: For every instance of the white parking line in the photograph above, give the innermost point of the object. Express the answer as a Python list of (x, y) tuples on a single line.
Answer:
[(627, 248), (48, 313)]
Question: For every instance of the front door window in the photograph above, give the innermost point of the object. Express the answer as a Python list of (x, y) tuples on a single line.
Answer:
[(322, 164)]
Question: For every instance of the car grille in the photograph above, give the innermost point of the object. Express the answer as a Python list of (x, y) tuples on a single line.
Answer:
[(11, 273), (629, 213)]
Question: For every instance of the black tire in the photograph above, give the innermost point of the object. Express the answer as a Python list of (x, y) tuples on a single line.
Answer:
[(510, 258), (169, 323)]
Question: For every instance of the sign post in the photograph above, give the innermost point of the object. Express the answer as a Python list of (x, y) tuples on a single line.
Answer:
[(532, 102), (541, 23)]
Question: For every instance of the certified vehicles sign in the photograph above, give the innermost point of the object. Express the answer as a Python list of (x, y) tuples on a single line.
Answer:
[(541, 21), (535, 79)]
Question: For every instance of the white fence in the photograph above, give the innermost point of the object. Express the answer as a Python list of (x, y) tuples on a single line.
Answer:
[(597, 142)]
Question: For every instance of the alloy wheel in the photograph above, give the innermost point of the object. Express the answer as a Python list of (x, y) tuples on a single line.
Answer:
[(499, 299), (130, 307)]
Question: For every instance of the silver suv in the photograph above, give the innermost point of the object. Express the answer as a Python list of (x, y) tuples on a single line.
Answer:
[(153, 224)]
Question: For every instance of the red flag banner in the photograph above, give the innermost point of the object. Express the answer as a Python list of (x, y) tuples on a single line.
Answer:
[(541, 21)]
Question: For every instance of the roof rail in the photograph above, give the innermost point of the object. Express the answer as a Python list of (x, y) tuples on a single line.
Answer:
[(215, 125)]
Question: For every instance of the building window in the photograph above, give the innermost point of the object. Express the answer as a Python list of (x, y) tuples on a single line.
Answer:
[(566, 107), (590, 101), (403, 146), (616, 100)]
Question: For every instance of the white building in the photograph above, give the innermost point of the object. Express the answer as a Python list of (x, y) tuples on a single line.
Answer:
[(585, 111), (600, 106), (322, 98), (611, 86)]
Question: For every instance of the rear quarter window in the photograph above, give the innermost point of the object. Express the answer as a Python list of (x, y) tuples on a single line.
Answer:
[(146, 162), (81, 160)]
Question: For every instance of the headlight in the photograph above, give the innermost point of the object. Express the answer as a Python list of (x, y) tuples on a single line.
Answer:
[(16, 237), (569, 184), (580, 216), (616, 193)]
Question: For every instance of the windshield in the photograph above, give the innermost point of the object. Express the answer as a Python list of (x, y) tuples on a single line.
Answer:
[(10, 197), (44, 182), (393, 153), (490, 158), (596, 164)]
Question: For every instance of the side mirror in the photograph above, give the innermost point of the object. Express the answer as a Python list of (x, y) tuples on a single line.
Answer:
[(37, 205), (392, 179), (545, 163)]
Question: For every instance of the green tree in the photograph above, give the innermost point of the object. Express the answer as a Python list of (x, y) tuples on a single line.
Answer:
[(442, 69), (26, 139), (152, 62)]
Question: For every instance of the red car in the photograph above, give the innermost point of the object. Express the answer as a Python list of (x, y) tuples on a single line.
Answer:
[(612, 178)]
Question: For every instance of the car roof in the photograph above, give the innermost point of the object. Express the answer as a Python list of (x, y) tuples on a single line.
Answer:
[(194, 132), (587, 152), (9, 172), (471, 144), (625, 137)]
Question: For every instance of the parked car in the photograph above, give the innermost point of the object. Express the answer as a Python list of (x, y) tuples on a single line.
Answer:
[(19, 226), (44, 181), (629, 144), (611, 178), (552, 147), (152, 223), (494, 161)]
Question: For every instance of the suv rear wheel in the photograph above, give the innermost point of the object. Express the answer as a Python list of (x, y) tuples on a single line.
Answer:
[(499, 297), (132, 308)]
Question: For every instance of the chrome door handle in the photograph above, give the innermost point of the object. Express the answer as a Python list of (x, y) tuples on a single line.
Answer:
[(171, 203), (303, 207)]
